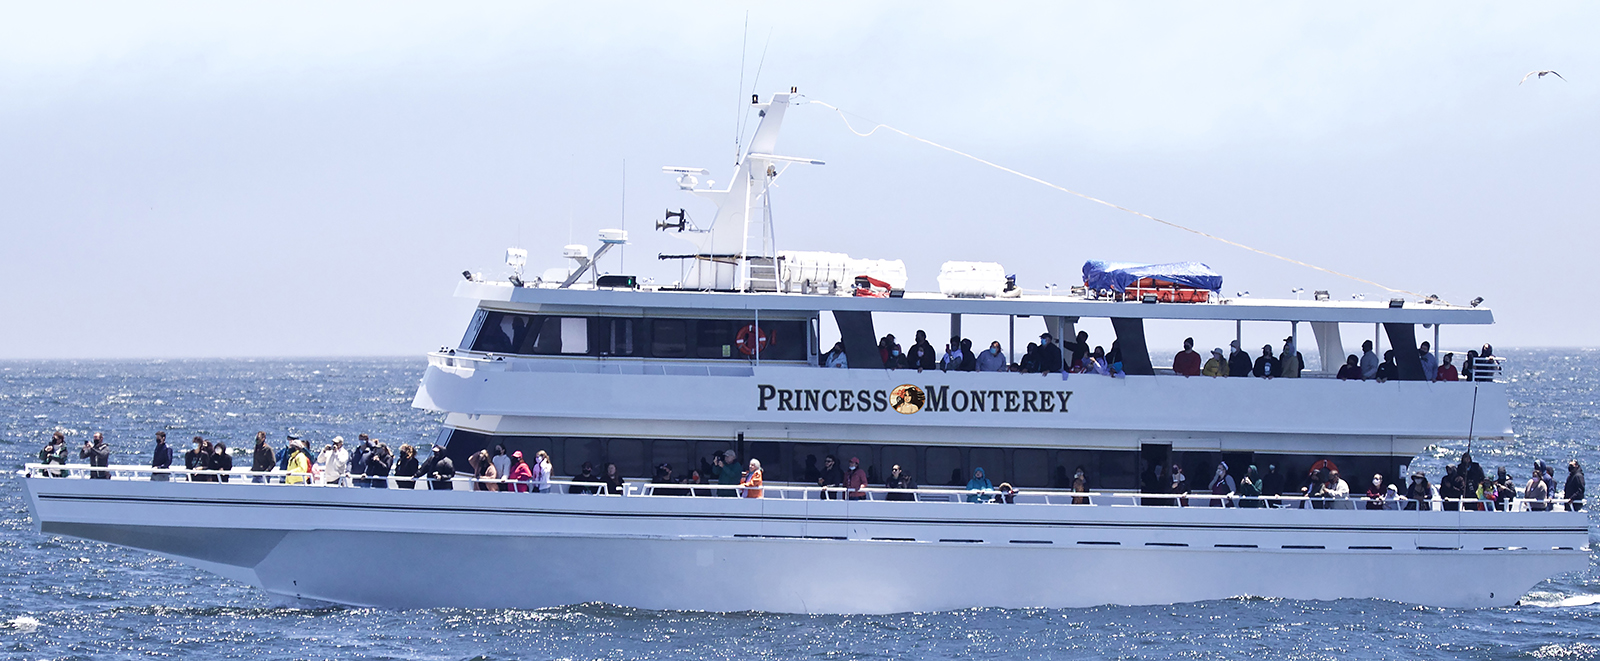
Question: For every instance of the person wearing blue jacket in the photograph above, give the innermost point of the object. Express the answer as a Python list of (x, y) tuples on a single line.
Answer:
[(979, 484)]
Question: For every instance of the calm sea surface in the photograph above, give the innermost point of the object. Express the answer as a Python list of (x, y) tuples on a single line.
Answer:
[(62, 598)]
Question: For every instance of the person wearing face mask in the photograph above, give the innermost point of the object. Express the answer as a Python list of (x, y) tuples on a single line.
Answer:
[(992, 360), (220, 460), (1187, 362), (1250, 490), (922, 355), (1418, 493), (855, 480), (1179, 487), (1375, 493), (1080, 484), (1221, 486)]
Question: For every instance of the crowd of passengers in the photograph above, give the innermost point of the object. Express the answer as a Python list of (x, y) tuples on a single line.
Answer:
[(1075, 356), (1465, 486)]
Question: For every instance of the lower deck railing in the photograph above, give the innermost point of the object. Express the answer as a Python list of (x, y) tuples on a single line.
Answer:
[(787, 491)]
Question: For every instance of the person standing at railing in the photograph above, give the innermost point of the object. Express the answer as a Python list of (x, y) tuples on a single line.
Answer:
[(261, 461), (1222, 484), (1239, 364), (980, 486), (1216, 365), (195, 459), (1369, 362), (55, 453), (483, 472), (379, 461), (220, 461), (406, 466), (831, 477), (1187, 362), (899, 479), (521, 475), (1573, 488), (542, 470), (1266, 365), (501, 460), (1375, 493), (299, 463), (751, 482), (1080, 484), (358, 461), (98, 452), (1179, 487), (439, 470), (727, 472), (335, 461), (1430, 362), (587, 477), (1250, 490), (1419, 494), (161, 459), (1447, 370), (1451, 489), (855, 480), (613, 480), (1537, 492)]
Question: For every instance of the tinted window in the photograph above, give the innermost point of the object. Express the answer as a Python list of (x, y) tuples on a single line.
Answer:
[(714, 338), (669, 338), (944, 467), (1030, 468), (628, 455)]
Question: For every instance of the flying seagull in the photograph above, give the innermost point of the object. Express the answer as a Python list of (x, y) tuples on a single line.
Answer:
[(1540, 73)]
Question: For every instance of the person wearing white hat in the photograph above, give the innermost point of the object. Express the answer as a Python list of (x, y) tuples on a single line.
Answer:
[(1217, 365)]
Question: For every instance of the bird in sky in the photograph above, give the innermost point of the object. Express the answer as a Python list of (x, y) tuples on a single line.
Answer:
[(1540, 74)]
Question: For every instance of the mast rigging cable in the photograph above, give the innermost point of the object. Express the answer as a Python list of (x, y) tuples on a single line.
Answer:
[(1097, 200)]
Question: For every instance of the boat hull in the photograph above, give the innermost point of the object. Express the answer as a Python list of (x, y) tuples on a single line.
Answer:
[(420, 549)]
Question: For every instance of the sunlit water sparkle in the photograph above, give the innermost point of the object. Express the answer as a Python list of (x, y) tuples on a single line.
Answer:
[(62, 598)]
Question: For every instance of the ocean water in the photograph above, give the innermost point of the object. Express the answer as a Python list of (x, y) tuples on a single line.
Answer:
[(62, 598)]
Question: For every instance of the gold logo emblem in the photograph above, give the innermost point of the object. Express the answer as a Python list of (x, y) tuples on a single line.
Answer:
[(907, 399)]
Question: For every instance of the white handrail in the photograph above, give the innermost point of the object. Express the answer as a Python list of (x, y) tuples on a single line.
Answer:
[(783, 491)]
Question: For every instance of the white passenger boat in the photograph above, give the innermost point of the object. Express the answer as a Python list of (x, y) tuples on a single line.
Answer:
[(601, 369)]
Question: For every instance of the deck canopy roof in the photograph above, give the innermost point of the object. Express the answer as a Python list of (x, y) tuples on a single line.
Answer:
[(1230, 309)]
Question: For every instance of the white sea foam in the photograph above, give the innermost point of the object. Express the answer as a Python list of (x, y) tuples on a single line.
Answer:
[(22, 622)]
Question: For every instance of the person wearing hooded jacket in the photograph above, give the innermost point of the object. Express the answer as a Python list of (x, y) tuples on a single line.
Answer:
[(1239, 363), (439, 470), (1250, 490), (979, 484), (1573, 489), (299, 463)]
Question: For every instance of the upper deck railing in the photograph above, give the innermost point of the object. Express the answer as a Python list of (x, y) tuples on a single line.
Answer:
[(1034, 497)]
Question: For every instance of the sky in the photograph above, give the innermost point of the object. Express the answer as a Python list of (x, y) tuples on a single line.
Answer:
[(310, 178)]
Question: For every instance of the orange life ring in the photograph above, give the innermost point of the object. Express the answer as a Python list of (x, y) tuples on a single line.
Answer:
[(747, 346)]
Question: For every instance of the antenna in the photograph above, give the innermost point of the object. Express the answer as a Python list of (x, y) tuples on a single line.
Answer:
[(739, 112), (622, 259), (754, 98)]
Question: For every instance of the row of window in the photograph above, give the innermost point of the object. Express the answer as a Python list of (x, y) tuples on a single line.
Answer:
[(928, 465), (505, 332)]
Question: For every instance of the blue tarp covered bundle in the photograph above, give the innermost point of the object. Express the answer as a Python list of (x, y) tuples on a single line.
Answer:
[(1116, 276)]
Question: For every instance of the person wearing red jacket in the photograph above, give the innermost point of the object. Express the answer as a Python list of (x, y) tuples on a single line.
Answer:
[(521, 475), (1187, 362), (855, 480)]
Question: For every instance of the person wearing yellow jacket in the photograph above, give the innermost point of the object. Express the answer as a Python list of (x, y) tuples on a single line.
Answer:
[(299, 464), (752, 480)]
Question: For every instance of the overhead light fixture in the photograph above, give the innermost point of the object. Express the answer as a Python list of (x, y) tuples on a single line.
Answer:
[(1477, 301), (467, 275), (1397, 302), (1321, 295), (1148, 298)]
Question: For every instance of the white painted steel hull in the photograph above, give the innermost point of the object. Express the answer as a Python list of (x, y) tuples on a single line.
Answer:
[(415, 549)]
